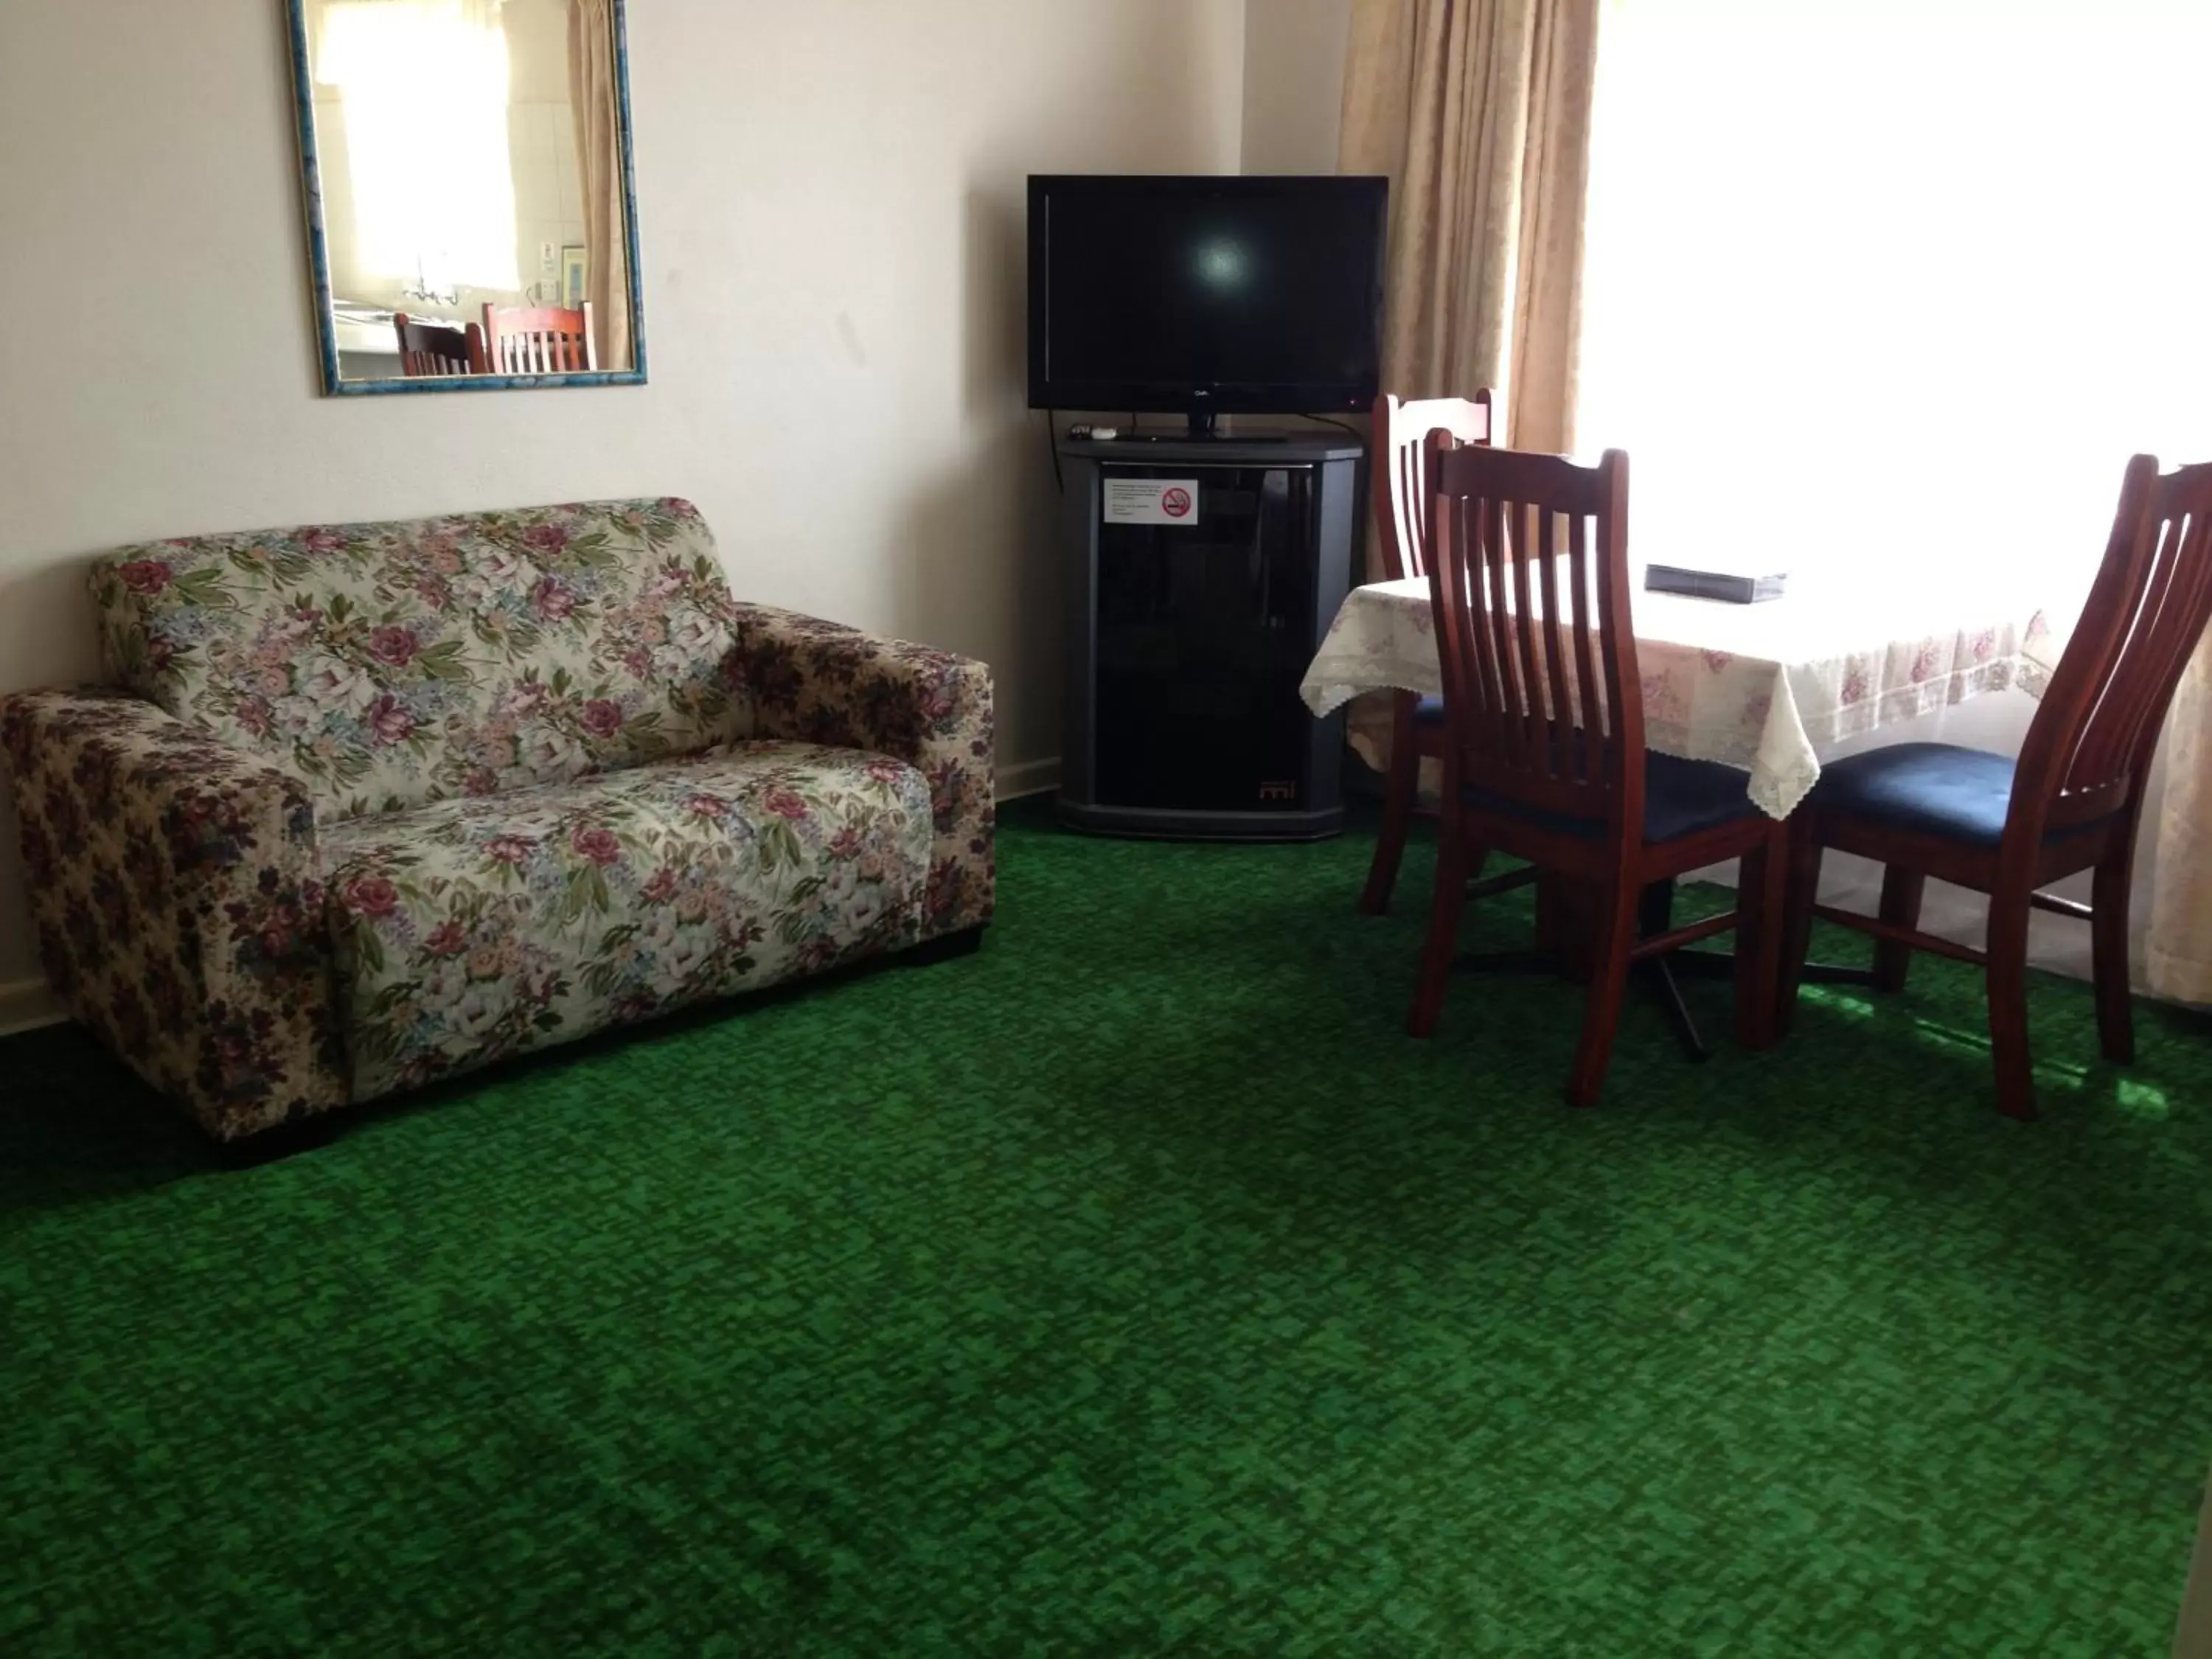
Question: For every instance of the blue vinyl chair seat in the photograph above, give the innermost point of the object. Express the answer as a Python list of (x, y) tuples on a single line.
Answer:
[(1680, 797), (1930, 788)]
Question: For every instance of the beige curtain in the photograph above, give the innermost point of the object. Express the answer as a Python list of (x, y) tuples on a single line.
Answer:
[(595, 89), (1480, 113), (2177, 957)]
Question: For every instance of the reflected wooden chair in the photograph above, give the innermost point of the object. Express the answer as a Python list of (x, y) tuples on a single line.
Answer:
[(438, 348), (2071, 801), (1399, 450), (539, 340), (1544, 756)]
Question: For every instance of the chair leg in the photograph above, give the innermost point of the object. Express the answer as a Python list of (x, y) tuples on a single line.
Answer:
[(1400, 786), (1802, 890), (1564, 925), (1762, 890), (1608, 984), (2008, 994), (2108, 926), (1436, 951), (1900, 904)]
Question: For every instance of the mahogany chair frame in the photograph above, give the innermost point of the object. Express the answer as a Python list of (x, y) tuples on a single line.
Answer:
[(438, 349), (2077, 793), (1544, 715), (1399, 455), (539, 339)]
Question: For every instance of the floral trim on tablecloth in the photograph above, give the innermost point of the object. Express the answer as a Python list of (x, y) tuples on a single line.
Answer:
[(472, 930), (1767, 718), (821, 681), (174, 886), (391, 665)]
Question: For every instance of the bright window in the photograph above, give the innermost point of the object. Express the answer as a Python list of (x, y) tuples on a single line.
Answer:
[(425, 86), (1938, 268)]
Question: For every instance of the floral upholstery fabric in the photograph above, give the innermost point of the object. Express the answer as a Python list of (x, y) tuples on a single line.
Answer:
[(173, 883), (819, 682), (474, 929), (422, 794), (391, 665)]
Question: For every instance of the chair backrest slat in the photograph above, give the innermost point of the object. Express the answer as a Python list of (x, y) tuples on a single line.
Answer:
[(1563, 760), (540, 340), (1535, 720), (1582, 588), (2089, 750), (1516, 731), (1398, 452), (1496, 558), (437, 347)]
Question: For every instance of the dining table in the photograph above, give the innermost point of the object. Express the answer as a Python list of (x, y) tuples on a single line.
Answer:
[(1766, 687)]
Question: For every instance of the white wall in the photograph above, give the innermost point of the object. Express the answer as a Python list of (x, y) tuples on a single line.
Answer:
[(1293, 83), (829, 203)]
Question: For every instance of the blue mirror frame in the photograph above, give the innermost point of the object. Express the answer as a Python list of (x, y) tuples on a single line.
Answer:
[(318, 257)]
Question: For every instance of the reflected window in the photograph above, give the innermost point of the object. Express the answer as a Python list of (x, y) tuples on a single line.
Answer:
[(425, 87)]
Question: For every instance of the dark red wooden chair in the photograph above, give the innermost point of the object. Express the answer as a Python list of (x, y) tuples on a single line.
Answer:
[(2070, 802), (1398, 452), (539, 340), (1544, 758), (438, 348)]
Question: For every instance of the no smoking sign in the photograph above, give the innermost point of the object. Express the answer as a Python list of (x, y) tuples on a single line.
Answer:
[(1150, 501)]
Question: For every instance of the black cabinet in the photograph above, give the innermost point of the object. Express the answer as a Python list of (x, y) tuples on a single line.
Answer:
[(1202, 575)]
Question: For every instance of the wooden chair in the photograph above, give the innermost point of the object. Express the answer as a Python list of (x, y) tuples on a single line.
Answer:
[(2071, 802), (540, 340), (1398, 450), (1544, 757), (437, 347)]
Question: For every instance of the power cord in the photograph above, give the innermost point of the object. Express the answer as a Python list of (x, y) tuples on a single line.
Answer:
[(1052, 440)]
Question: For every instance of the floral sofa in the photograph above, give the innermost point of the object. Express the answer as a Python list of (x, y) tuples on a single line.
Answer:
[(370, 804)]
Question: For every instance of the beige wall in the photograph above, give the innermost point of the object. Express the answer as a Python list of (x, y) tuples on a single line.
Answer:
[(1293, 83), (829, 202)]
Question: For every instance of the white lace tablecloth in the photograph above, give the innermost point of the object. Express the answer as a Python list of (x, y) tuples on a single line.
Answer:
[(1764, 688)]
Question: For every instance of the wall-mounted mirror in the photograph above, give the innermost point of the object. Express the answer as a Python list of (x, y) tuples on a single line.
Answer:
[(472, 224)]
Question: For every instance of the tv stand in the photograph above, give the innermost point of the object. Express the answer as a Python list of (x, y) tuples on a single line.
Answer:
[(1187, 637)]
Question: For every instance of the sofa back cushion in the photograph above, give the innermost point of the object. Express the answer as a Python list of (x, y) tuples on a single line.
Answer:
[(389, 665)]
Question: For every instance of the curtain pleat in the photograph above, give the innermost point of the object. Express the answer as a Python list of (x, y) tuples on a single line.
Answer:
[(595, 89), (2177, 954), (1479, 111)]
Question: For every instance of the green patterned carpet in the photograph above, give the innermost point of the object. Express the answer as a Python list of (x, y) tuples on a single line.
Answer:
[(1135, 1287)]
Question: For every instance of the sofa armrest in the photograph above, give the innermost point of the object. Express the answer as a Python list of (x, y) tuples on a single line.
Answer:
[(178, 903), (818, 682)]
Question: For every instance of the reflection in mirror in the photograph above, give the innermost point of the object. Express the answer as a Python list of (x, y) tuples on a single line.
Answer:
[(468, 191)]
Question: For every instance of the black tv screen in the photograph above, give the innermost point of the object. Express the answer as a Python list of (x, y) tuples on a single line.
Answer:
[(1256, 295)]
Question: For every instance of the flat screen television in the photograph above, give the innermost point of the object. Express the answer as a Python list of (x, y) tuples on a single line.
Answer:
[(1205, 296)]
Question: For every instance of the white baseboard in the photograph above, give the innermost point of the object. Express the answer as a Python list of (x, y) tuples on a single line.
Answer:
[(26, 1003), (1029, 778)]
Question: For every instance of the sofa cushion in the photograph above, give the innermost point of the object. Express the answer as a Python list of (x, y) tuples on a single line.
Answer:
[(391, 665), (472, 929)]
